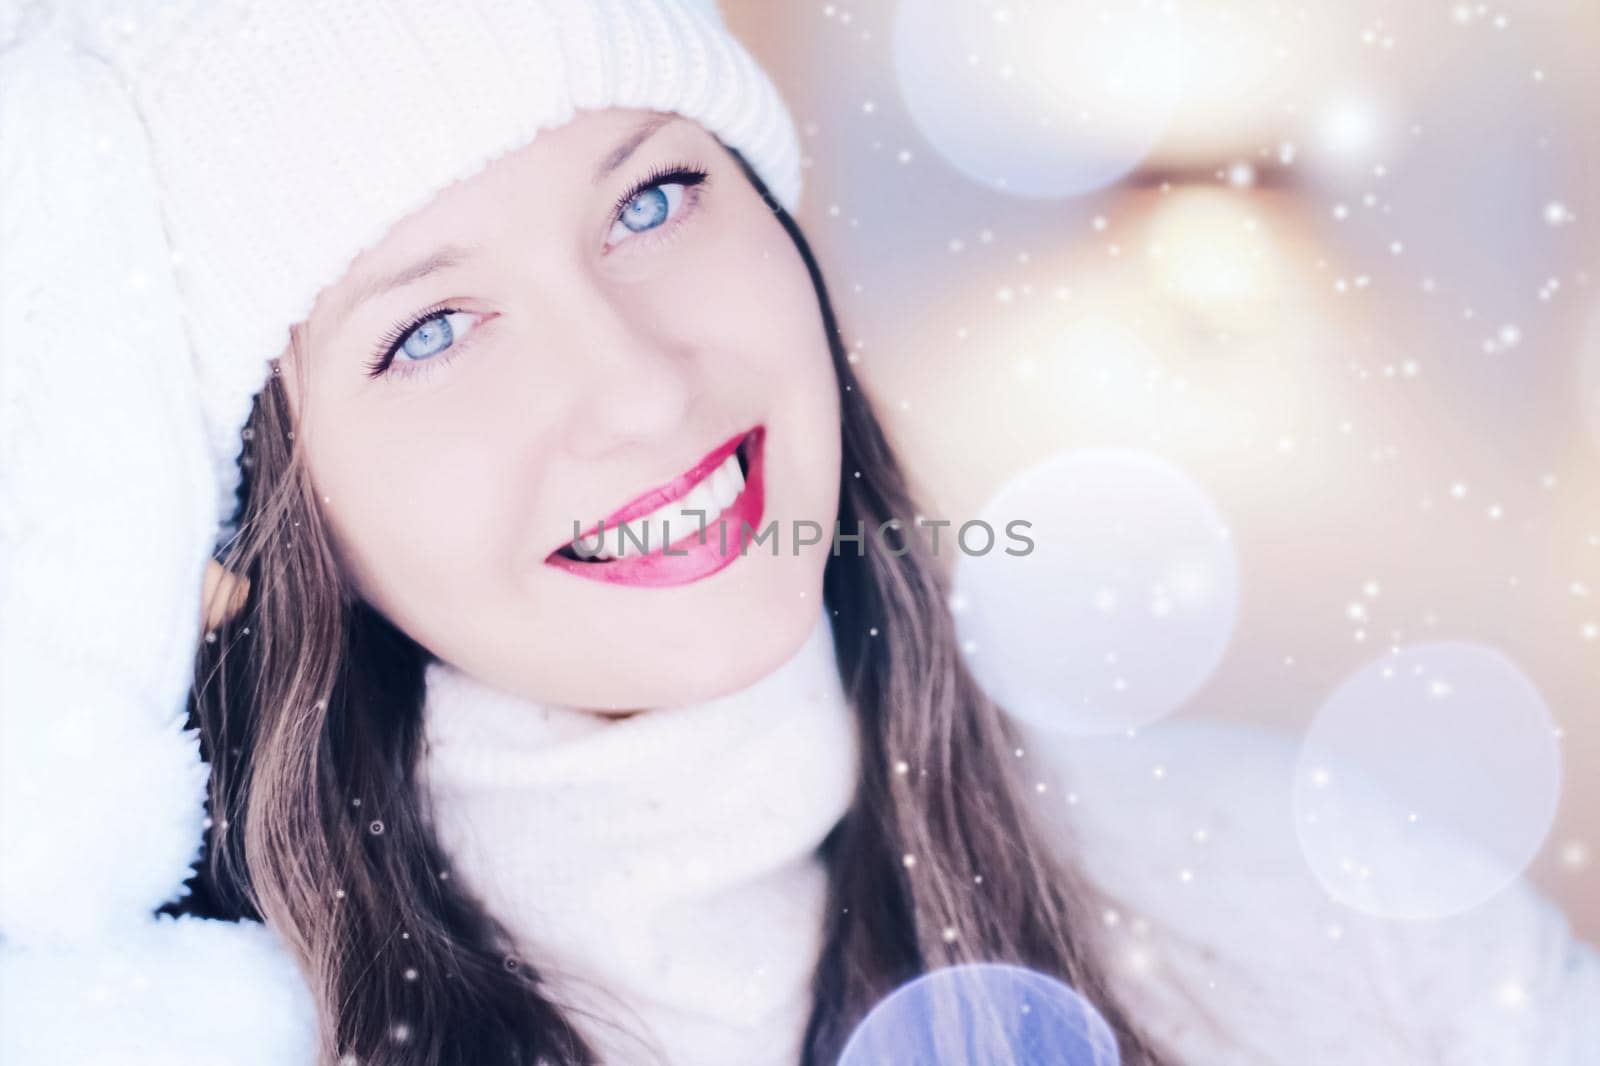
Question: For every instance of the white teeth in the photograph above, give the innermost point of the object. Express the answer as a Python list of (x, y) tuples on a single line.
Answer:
[(722, 484), (613, 546), (660, 527)]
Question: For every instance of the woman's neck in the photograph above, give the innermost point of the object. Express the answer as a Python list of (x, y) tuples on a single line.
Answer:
[(660, 868)]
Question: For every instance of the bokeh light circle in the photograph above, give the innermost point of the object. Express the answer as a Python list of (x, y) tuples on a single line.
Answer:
[(1040, 99), (1427, 781), (983, 1014), (1122, 608)]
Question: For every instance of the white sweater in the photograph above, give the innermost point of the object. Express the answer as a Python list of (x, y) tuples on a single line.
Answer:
[(667, 858)]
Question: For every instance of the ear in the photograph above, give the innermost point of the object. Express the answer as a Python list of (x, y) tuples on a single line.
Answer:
[(223, 596)]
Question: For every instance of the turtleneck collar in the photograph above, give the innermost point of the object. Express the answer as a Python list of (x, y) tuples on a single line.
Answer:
[(660, 869)]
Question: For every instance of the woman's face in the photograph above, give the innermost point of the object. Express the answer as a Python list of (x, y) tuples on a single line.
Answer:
[(550, 359)]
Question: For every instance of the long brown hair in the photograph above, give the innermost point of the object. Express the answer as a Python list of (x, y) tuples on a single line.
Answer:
[(309, 706)]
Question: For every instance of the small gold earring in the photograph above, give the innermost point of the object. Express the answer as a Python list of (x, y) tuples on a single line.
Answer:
[(222, 596)]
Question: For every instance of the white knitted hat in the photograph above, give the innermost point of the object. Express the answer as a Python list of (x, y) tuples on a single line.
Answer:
[(178, 181)]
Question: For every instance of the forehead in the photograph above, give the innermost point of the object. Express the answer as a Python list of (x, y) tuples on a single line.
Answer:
[(561, 167)]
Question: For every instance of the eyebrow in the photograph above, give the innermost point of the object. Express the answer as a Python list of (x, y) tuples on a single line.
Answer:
[(443, 259), (641, 133), (454, 255)]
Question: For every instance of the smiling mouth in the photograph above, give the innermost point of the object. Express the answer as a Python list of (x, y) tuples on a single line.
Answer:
[(697, 496)]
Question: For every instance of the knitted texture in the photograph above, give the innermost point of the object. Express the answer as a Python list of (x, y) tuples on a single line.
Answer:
[(660, 870), (106, 512)]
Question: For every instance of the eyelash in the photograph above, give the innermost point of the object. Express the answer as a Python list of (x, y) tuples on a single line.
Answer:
[(693, 178), (390, 343), (684, 174)]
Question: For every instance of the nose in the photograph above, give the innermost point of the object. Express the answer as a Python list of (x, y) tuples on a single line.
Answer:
[(633, 380)]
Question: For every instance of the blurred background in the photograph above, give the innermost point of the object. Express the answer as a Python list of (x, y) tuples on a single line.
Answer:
[(1282, 321)]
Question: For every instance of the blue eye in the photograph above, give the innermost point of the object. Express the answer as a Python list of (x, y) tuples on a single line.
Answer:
[(653, 202), (430, 338), (651, 207), (422, 339)]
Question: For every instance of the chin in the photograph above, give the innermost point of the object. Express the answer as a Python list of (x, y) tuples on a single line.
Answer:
[(731, 648)]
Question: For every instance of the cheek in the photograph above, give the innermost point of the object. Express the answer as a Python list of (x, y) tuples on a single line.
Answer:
[(789, 334), (409, 519), (767, 318), (782, 346)]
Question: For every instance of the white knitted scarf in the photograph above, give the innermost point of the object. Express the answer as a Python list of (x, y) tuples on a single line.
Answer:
[(660, 869)]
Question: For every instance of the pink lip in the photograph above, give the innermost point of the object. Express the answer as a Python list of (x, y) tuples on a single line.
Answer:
[(686, 558)]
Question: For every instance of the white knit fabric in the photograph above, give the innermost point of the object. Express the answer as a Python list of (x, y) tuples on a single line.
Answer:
[(1245, 963), (663, 866), (106, 514), (665, 859)]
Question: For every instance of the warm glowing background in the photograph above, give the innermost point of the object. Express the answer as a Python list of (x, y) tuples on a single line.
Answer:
[(1333, 262)]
